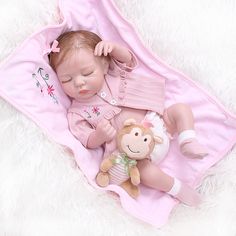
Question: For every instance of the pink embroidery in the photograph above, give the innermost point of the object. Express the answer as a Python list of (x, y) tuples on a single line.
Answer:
[(88, 114), (89, 111), (42, 78), (50, 90), (95, 110)]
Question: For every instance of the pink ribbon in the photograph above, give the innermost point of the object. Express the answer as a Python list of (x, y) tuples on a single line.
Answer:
[(53, 48), (147, 124)]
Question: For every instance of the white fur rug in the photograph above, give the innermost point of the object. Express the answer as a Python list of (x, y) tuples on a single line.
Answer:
[(42, 192)]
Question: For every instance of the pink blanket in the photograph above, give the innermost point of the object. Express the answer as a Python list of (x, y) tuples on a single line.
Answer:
[(28, 83)]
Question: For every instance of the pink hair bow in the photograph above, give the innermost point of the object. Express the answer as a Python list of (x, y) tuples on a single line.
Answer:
[(147, 124), (54, 48)]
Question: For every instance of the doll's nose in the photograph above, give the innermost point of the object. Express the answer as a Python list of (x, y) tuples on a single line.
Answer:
[(79, 81)]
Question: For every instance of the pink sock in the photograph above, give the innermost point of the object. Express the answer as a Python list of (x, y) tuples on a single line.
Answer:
[(193, 149), (185, 194), (189, 146)]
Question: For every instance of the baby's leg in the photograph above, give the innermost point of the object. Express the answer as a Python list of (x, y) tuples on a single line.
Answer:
[(152, 176), (179, 117)]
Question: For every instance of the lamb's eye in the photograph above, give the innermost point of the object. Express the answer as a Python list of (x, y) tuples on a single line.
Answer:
[(136, 132), (147, 139)]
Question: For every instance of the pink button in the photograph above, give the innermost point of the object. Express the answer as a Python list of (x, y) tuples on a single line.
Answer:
[(121, 96)]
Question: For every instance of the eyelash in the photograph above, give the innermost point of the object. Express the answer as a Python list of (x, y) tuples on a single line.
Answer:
[(82, 74), (88, 73), (67, 80)]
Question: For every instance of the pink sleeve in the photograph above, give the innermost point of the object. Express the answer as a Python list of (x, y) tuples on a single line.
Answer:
[(132, 65), (79, 127)]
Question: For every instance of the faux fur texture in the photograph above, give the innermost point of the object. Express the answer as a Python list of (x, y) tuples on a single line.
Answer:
[(42, 192)]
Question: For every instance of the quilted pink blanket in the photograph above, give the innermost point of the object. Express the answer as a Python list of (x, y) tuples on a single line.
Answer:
[(28, 82)]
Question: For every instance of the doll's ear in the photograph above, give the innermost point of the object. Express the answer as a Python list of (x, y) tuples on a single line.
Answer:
[(129, 122), (158, 139)]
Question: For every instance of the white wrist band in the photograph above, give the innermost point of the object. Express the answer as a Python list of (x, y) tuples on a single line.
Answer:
[(186, 134), (175, 188)]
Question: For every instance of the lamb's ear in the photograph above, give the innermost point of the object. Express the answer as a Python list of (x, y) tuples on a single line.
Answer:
[(129, 122), (158, 139)]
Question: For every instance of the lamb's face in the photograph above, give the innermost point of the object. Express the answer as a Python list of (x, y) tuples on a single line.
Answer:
[(137, 142)]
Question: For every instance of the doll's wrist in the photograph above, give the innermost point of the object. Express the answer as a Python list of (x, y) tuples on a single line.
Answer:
[(95, 140)]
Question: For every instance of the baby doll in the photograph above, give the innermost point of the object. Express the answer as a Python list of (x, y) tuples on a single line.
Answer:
[(98, 76)]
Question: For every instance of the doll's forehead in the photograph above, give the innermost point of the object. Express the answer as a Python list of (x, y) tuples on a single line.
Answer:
[(85, 56), (78, 59)]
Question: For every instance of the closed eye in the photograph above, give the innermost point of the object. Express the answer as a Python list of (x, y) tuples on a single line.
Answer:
[(88, 73), (66, 81)]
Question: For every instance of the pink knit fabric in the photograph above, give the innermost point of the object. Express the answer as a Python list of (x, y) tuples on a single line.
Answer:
[(29, 83)]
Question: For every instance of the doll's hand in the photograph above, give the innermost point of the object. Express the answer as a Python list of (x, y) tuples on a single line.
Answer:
[(103, 48), (105, 131)]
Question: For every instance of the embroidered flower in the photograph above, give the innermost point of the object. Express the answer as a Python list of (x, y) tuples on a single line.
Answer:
[(41, 79), (95, 110), (50, 90)]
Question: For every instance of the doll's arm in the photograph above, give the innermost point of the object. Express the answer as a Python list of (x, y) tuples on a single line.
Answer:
[(115, 50), (104, 132), (86, 134), (134, 175), (79, 127)]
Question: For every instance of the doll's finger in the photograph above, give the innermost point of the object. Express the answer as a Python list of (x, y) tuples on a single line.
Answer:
[(109, 130), (105, 49), (109, 126), (113, 133), (100, 48), (96, 50), (109, 50)]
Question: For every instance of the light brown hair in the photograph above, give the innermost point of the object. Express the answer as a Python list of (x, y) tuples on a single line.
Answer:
[(70, 41)]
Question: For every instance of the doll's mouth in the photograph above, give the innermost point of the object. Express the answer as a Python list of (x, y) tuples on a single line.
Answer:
[(132, 150), (84, 91)]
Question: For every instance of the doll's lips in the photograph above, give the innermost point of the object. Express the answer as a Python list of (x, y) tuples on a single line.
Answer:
[(131, 150), (84, 91)]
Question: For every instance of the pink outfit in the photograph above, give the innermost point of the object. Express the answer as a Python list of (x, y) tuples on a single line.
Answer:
[(119, 172), (121, 88), (29, 83)]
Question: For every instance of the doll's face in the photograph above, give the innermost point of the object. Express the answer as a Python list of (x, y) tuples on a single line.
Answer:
[(82, 74)]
